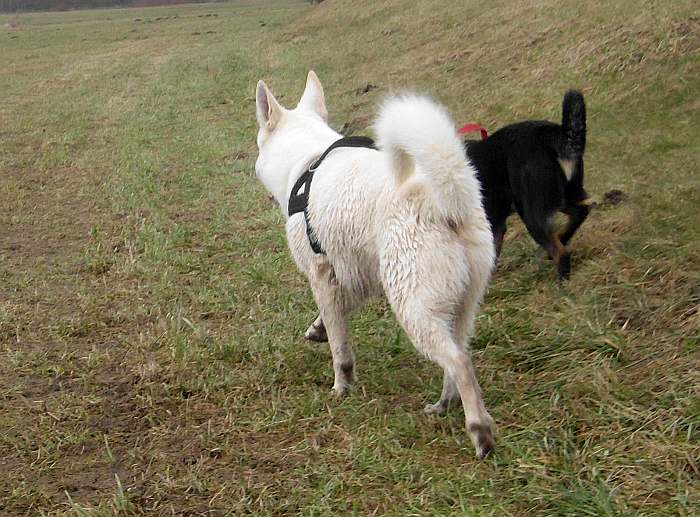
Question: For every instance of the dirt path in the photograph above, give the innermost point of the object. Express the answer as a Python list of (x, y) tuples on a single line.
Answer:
[(56, 320)]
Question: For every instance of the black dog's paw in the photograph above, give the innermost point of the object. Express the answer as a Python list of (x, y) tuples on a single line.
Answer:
[(565, 267)]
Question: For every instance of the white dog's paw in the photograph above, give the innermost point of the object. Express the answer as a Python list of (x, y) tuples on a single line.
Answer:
[(339, 390), (482, 437), (316, 334), (439, 408)]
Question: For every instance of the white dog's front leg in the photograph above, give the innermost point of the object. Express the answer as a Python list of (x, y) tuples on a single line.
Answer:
[(332, 305)]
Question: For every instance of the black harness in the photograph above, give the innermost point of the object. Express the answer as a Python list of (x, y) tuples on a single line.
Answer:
[(299, 202)]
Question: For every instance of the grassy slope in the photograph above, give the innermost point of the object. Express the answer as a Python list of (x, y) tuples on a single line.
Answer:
[(150, 316)]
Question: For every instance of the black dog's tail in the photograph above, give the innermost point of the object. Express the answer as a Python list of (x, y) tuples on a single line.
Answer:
[(573, 125)]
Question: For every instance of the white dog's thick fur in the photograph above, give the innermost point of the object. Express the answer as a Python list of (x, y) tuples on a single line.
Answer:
[(405, 221)]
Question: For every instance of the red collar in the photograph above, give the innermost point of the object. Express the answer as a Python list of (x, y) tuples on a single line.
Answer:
[(473, 127)]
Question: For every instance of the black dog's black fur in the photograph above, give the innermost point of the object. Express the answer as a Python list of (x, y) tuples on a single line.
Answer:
[(522, 168)]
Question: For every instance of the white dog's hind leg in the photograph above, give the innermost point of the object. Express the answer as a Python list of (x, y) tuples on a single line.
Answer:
[(458, 365), (317, 331), (434, 338), (481, 429), (333, 307), (449, 394)]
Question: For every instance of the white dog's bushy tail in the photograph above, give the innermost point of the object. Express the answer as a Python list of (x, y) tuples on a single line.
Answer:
[(427, 155)]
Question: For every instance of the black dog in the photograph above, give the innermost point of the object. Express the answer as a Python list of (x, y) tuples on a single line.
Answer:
[(535, 168)]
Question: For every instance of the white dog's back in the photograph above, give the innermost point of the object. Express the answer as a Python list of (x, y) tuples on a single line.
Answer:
[(417, 195)]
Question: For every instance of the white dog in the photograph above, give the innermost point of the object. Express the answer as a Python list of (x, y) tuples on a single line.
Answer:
[(406, 221)]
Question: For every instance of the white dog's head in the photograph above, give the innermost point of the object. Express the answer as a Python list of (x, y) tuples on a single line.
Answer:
[(287, 137)]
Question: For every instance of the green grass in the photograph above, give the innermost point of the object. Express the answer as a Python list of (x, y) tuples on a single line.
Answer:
[(151, 358)]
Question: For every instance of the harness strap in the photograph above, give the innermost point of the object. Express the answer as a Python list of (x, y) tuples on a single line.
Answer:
[(299, 197)]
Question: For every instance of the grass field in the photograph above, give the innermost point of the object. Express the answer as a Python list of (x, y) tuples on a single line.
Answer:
[(151, 319)]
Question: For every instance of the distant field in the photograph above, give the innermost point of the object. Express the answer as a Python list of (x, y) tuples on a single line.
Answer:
[(151, 319), (33, 6)]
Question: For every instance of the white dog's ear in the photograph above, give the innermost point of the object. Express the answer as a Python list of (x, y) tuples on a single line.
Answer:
[(313, 98), (268, 110)]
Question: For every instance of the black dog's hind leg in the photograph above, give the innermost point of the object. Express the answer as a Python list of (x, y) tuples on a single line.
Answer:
[(498, 207), (540, 230), (564, 263), (540, 195), (577, 215), (499, 233)]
